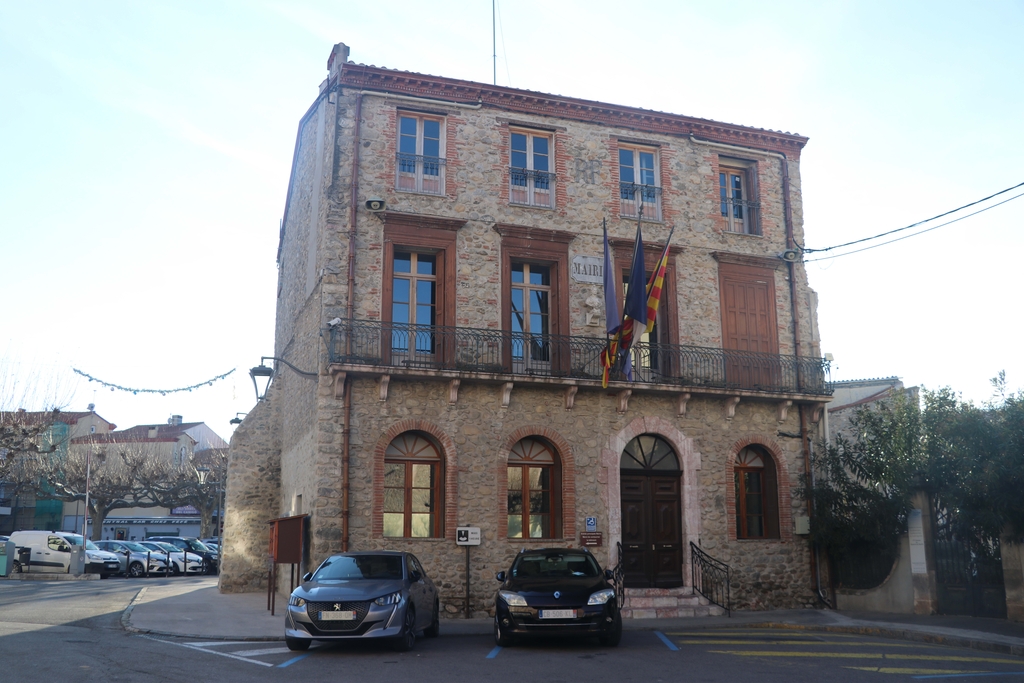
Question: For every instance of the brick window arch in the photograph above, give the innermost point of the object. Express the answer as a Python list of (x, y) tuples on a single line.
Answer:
[(563, 480)]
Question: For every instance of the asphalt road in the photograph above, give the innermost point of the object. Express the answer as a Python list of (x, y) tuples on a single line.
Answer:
[(72, 631)]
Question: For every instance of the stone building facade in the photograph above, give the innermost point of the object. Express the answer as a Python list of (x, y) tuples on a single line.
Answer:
[(440, 275)]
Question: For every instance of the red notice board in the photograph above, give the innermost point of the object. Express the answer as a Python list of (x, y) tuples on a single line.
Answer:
[(286, 539)]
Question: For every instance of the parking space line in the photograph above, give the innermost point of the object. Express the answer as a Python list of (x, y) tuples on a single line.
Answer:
[(266, 651), (494, 653), (293, 660), (212, 652), (668, 643), (970, 675)]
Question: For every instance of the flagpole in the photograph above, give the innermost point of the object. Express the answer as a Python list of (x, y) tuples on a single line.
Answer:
[(619, 356)]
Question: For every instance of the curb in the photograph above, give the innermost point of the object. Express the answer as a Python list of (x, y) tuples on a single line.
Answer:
[(904, 634), (126, 624)]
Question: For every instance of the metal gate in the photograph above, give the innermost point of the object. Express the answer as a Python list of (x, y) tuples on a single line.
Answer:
[(968, 567)]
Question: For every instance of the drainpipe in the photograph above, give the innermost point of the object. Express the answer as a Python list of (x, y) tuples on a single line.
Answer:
[(794, 312), (349, 312)]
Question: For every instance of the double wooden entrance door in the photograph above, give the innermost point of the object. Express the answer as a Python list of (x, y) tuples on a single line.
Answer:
[(652, 539)]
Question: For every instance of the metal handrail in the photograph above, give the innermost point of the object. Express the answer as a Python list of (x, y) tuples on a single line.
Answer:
[(462, 349), (710, 578)]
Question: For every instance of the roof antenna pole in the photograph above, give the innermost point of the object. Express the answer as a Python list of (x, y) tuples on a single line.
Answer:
[(494, 42)]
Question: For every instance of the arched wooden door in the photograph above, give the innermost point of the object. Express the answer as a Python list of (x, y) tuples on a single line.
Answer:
[(652, 538)]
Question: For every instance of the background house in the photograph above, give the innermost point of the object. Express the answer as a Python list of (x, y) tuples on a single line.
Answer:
[(22, 510)]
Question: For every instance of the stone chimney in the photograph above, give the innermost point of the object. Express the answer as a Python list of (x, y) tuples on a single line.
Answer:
[(174, 420), (339, 55)]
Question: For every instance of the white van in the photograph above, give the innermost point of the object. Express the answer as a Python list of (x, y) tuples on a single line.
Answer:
[(50, 552)]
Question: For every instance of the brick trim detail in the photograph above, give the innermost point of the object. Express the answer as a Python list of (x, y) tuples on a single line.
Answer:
[(567, 463), (783, 481), (451, 474)]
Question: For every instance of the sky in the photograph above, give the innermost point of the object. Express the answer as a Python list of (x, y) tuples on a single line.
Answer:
[(145, 151)]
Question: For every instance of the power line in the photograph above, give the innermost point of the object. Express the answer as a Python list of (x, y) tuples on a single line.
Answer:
[(914, 225), (914, 234)]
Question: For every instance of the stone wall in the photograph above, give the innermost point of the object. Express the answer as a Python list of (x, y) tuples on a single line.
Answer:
[(768, 573), (253, 495)]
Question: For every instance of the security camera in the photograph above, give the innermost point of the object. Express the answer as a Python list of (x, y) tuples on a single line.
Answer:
[(332, 323), (790, 255), (375, 205)]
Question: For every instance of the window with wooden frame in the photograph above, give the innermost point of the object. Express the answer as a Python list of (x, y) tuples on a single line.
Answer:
[(535, 298), (533, 487), (531, 315), (413, 487), (737, 194), (419, 288), (757, 494), (639, 182), (420, 159), (531, 181)]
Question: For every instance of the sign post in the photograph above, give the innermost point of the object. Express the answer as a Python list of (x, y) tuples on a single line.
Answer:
[(467, 536)]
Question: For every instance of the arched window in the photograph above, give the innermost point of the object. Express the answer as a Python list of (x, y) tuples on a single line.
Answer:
[(533, 486), (649, 452), (757, 496), (413, 500)]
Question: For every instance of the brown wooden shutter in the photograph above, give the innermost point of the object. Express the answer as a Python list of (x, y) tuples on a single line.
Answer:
[(770, 498)]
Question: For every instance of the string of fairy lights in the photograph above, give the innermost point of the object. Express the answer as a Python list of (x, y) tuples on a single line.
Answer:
[(163, 392)]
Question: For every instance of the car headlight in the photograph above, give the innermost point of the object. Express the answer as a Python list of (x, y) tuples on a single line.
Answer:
[(512, 599), (601, 597), (95, 558), (296, 601), (392, 599)]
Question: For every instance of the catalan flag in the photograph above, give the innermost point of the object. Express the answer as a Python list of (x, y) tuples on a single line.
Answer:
[(656, 284)]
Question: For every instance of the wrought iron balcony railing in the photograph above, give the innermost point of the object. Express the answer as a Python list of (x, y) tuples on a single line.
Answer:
[(742, 215), (461, 349), (417, 173), (632, 195)]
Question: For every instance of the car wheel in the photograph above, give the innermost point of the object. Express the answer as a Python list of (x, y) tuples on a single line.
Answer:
[(434, 630), (613, 636), (297, 644), (16, 567), (175, 571), (407, 638), (501, 639), (136, 570)]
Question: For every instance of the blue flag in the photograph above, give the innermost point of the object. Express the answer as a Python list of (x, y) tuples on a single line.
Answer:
[(611, 298), (636, 295)]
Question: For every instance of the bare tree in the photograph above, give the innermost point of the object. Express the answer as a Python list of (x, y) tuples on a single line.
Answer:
[(183, 486), (120, 476)]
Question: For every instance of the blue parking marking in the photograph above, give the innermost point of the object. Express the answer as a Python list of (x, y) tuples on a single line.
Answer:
[(293, 660), (668, 643), (494, 652)]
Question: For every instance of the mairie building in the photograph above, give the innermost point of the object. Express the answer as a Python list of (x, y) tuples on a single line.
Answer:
[(440, 323)]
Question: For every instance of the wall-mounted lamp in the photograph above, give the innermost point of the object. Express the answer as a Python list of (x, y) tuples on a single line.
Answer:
[(262, 375), (237, 419)]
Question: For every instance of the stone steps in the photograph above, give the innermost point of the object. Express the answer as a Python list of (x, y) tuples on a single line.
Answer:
[(666, 603)]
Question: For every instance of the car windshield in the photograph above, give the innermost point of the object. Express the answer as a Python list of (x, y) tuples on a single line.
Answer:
[(556, 564), (197, 545), (360, 567), (167, 546), (137, 547), (76, 539)]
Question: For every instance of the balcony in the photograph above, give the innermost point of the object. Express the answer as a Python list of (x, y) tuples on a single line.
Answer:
[(461, 352), (632, 196), (741, 215)]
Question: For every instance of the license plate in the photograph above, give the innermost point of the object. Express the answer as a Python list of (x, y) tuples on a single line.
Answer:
[(338, 616), (558, 614)]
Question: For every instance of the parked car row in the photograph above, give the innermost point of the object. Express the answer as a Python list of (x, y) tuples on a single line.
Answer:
[(51, 552), (549, 591)]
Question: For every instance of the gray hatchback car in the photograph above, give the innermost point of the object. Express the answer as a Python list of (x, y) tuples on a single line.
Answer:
[(364, 595)]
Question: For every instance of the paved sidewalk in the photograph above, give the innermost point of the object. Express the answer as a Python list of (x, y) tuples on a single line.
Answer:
[(197, 610)]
